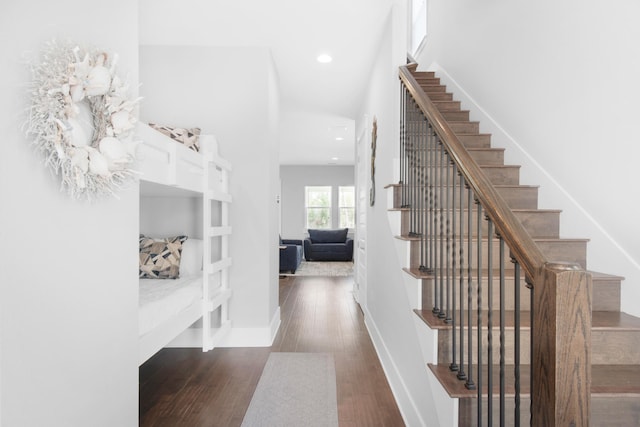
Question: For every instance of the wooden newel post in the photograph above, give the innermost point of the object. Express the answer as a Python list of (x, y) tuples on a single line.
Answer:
[(561, 352)]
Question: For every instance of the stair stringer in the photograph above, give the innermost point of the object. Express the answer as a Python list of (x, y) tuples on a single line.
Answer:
[(446, 406)]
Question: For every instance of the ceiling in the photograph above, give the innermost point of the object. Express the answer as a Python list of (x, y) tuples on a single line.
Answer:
[(319, 102)]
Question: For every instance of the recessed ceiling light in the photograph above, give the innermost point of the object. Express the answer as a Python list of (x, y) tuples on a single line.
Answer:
[(335, 158), (324, 58), (339, 138)]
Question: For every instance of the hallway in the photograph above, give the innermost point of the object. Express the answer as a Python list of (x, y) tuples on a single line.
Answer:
[(185, 387)]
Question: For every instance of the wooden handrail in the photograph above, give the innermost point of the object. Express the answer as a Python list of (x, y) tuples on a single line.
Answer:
[(522, 246)]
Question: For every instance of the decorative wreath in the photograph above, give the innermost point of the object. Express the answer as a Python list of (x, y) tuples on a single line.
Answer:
[(82, 120)]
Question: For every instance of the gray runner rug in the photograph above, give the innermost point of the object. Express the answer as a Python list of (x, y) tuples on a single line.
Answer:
[(323, 268), (295, 389)]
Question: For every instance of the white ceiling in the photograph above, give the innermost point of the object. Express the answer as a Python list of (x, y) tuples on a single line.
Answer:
[(318, 101)]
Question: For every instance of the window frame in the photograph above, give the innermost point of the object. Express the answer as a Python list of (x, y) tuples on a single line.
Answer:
[(308, 207), (351, 207)]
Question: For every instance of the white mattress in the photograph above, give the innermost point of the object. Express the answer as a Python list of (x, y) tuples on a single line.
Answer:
[(162, 299)]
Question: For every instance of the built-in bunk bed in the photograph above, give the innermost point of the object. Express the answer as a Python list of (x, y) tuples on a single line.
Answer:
[(184, 306)]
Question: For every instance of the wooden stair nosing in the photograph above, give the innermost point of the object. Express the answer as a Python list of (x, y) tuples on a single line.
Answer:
[(600, 320), (537, 240), (431, 89), (423, 73), (452, 105), (606, 381), (464, 126), (600, 279)]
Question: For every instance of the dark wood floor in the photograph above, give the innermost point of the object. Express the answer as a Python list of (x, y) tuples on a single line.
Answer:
[(186, 387)]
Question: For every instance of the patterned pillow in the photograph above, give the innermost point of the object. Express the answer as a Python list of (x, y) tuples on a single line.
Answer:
[(160, 258), (188, 137)]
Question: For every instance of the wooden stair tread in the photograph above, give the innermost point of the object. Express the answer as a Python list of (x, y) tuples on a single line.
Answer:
[(500, 166), (466, 209), (456, 387), (485, 149), (421, 148), (606, 380), (600, 320), (536, 210), (535, 239), (495, 185), (600, 278), (515, 186), (397, 185), (606, 277), (434, 322), (430, 83), (615, 379), (417, 273)]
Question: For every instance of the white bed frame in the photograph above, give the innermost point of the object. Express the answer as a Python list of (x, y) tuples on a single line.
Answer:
[(168, 167)]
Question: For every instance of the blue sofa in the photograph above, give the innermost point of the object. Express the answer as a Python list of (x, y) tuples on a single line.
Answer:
[(328, 245), (290, 255)]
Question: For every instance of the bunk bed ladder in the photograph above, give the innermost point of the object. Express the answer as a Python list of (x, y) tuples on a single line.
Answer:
[(215, 272)]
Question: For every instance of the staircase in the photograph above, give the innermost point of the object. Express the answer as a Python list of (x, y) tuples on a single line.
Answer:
[(442, 219)]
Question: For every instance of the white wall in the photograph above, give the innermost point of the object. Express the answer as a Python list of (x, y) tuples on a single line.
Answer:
[(557, 85), (388, 314), (230, 92), (68, 286), (294, 180), (171, 216)]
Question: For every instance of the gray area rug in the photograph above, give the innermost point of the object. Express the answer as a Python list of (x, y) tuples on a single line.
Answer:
[(295, 389), (323, 268)]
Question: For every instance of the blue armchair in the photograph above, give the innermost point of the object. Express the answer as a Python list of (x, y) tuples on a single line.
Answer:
[(290, 254)]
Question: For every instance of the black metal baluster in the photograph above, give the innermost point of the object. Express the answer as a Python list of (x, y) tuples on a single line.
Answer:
[(423, 183), (425, 267), (447, 211), (404, 173), (516, 328), (412, 192), (531, 331), (454, 366), (469, 383), (479, 309), (502, 334), (403, 94), (416, 227), (461, 374), (416, 170), (433, 155), (440, 269), (489, 322), (434, 225), (401, 147)]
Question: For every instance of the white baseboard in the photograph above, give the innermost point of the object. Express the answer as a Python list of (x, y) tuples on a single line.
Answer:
[(408, 408), (235, 337), (253, 337), (192, 337), (275, 325)]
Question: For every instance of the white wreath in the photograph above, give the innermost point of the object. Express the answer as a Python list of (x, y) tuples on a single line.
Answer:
[(82, 120)]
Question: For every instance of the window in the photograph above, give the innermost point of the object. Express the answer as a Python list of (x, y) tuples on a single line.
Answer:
[(347, 206), (318, 207)]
